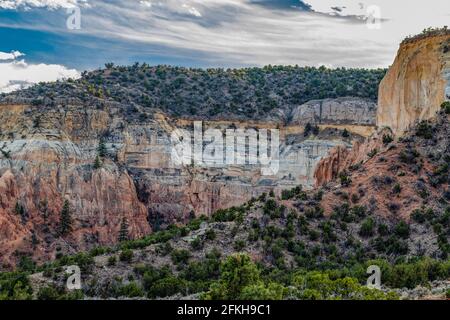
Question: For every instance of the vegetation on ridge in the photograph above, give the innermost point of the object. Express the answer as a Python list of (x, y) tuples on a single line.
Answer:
[(247, 92)]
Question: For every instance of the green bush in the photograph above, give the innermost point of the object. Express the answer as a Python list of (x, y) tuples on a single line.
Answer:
[(345, 179), (167, 286), (210, 234), (397, 188), (367, 228), (112, 261), (418, 216), (446, 107), (424, 130), (131, 290), (14, 286), (236, 273), (402, 230), (126, 255), (387, 138), (180, 256), (48, 293), (197, 243)]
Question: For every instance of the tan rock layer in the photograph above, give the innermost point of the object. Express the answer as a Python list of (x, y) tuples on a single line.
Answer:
[(416, 84)]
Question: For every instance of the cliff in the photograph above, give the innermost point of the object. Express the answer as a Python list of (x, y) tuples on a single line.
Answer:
[(413, 90), (48, 155), (416, 84)]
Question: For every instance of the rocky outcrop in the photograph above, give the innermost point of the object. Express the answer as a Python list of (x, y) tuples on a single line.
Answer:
[(348, 110), (48, 156), (416, 84), (341, 158), (413, 90)]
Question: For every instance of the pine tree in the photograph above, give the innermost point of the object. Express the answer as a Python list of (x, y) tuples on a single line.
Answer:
[(123, 233), (101, 148), (97, 163), (65, 221)]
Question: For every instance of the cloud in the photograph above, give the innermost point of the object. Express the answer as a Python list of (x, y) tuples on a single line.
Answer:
[(49, 4), (10, 56), (241, 32), (18, 74), (192, 10)]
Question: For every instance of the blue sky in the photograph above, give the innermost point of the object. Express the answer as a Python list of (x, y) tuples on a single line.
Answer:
[(203, 33)]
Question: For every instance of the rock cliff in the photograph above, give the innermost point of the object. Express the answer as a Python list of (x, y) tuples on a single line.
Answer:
[(48, 155), (416, 84), (413, 90)]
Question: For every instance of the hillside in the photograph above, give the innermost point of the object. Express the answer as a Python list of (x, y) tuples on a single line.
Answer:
[(87, 179), (93, 143), (326, 237), (251, 93)]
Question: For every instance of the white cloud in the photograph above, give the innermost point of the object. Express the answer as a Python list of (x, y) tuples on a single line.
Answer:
[(18, 74), (146, 3), (49, 4), (240, 32), (10, 56), (192, 10)]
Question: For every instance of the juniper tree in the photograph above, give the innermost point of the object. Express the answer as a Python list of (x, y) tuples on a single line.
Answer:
[(101, 148), (65, 220), (97, 163), (123, 232)]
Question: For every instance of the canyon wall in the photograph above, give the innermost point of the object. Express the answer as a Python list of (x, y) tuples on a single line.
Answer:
[(416, 84), (413, 90), (48, 156)]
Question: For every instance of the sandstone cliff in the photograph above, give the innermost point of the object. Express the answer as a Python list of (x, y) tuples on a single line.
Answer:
[(346, 110), (413, 90), (416, 84), (48, 156)]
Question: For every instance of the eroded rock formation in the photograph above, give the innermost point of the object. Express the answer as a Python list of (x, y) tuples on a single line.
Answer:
[(48, 156), (416, 84)]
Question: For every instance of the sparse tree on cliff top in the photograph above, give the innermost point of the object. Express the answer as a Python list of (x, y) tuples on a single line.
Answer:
[(66, 221), (123, 233)]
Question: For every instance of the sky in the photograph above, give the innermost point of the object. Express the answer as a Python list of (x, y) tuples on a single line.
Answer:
[(45, 40)]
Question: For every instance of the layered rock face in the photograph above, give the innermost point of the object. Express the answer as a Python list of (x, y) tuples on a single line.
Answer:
[(346, 110), (416, 84), (48, 156)]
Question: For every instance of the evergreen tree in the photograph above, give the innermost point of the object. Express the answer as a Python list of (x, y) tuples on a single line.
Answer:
[(123, 233), (101, 148), (65, 221), (97, 163)]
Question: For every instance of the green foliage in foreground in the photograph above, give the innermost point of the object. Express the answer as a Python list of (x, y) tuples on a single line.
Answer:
[(15, 286), (240, 278)]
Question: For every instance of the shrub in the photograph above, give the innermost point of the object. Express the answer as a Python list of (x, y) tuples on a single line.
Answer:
[(383, 229), (424, 130), (446, 107), (197, 244), (397, 188), (313, 235), (345, 179), (345, 133), (210, 234), (131, 290), (126, 255), (372, 153), (402, 230), (418, 216), (112, 261), (239, 245), (387, 138), (367, 228), (236, 273), (180, 256), (48, 293), (167, 286)]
